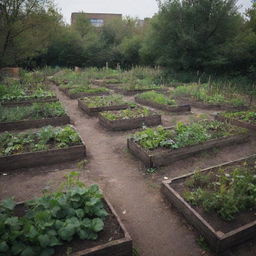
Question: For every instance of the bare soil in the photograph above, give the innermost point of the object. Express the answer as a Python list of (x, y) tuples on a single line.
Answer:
[(156, 229)]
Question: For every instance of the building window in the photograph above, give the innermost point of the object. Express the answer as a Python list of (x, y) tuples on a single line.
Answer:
[(97, 22)]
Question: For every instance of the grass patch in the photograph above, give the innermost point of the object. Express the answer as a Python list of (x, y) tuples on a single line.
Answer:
[(157, 98)]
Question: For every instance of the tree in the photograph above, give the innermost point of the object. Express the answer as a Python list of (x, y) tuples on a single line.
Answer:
[(190, 34), (25, 27)]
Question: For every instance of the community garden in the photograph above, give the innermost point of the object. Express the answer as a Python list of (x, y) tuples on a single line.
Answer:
[(132, 123)]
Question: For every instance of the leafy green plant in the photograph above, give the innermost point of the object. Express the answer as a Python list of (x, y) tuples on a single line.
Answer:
[(31, 112), (151, 170), (247, 116), (43, 139), (52, 220), (157, 97), (184, 135), (227, 191), (202, 243), (15, 91)]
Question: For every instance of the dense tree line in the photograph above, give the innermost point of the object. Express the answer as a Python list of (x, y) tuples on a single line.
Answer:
[(209, 36)]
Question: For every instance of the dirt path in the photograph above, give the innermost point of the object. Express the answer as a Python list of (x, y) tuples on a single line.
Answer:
[(156, 229)]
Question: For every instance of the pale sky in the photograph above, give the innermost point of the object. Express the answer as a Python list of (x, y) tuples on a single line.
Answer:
[(134, 8)]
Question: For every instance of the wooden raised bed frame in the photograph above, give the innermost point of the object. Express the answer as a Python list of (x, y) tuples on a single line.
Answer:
[(236, 122), (167, 156), (29, 124), (28, 102), (119, 247), (45, 157), (129, 124), (199, 104), (168, 108), (95, 110), (217, 240)]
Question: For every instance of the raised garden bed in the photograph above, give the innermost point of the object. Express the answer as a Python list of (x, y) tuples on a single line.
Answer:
[(246, 119), (29, 101), (149, 99), (218, 232), (99, 233), (34, 148), (15, 94), (207, 96), (199, 104), (33, 116), (128, 119), (94, 105), (163, 146)]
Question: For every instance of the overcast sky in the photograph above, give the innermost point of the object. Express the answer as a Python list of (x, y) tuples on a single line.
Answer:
[(134, 8)]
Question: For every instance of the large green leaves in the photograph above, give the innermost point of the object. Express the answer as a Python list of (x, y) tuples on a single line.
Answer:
[(51, 220)]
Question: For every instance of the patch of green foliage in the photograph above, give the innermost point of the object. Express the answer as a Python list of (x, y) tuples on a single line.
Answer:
[(207, 94), (157, 98), (43, 139), (128, 113), (31, 112), (151, 170), (184, 135), (247, 116), (32, 77), (104, 101), (52, 220), (70, 77), (227, 191), (17, 92)]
